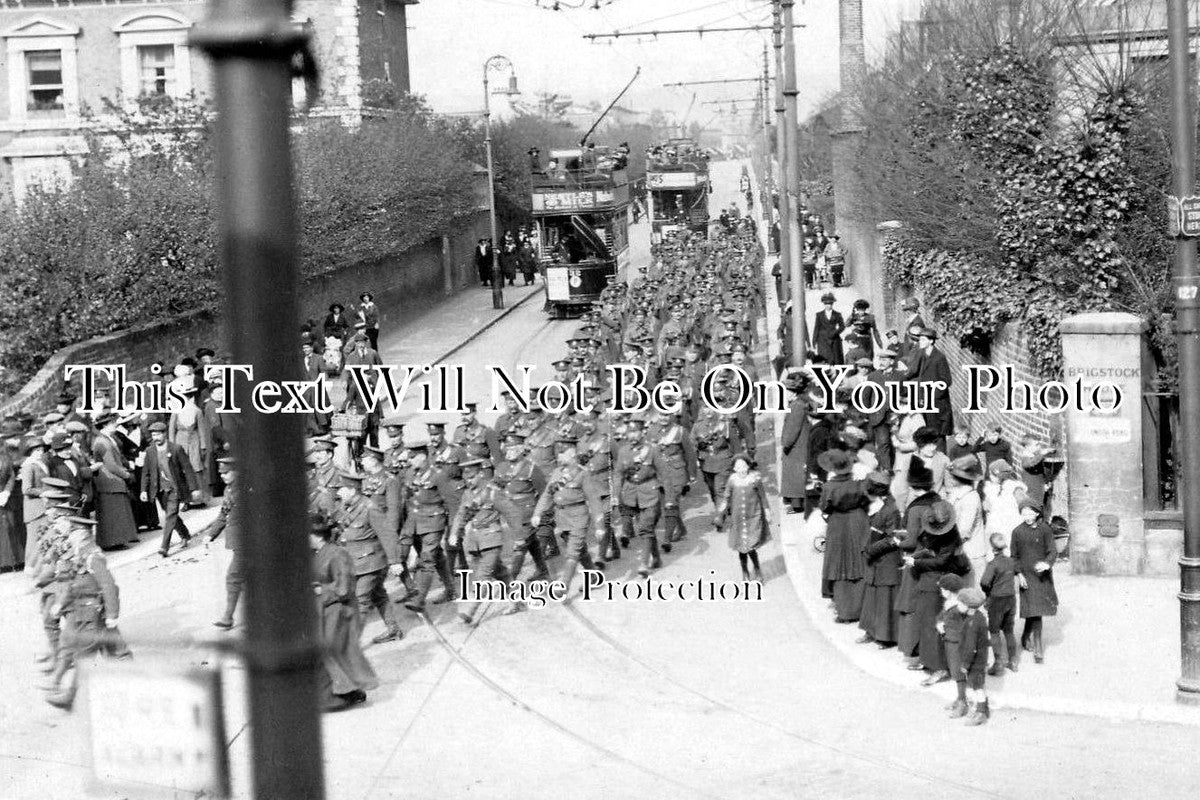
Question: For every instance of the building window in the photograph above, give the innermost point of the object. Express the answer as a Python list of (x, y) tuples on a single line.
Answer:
[(45, 80), (156, 69)]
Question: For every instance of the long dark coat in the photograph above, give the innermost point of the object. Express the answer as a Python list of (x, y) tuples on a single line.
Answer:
[(908, 636), (933, 559), (346, 666), (933, 366), (879, 618), (846, 533), (793, 467), (827, 336), (1031, 544)]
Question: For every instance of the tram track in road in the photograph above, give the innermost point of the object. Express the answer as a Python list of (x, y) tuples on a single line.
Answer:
[(506, 694)]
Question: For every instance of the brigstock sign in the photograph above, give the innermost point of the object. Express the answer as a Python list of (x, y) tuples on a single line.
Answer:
[(583, 200), (671, 180)]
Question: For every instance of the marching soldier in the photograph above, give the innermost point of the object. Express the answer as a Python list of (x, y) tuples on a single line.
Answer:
[(577, 508), (477, 439), (522, 482), (637, 490), (374, 551), (479, 527), (88, 610), (425, 528), (679, 459), (713, 435), (596, 455), (445, 458), (384, 491), (395, 458)]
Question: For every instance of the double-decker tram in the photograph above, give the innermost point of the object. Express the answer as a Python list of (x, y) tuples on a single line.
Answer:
[(580, 207), (677, 188)]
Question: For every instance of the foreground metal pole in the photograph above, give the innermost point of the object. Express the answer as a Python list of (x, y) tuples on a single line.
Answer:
[(782, 149), (252, 43), (765, 175), (497, 278), (1187, 330), (792, 189)]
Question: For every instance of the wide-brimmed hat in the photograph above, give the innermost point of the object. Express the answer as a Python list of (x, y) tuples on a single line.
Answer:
[(966, 467), (828, 297), (925, 435), (838, 462), (938, 519), (919, 475)]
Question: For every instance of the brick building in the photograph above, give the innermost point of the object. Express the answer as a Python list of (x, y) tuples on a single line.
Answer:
[(63, 58)]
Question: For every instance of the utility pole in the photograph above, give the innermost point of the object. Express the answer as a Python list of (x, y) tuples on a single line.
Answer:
[(765, 174), (1187, 331), (701, 31), (782, 144), (252, 43), (792, 188), (497, 276)]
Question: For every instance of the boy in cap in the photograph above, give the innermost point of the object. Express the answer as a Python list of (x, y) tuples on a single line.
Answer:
[(949, 626), (999, 585), (973, 650)]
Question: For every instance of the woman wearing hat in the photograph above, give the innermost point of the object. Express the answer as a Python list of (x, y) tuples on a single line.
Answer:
[(880, 621), (794, 466), (827, 331), (113, 509), (962, 477), (743, 510), (1033, 554), (33, 471), (1002, 493), (936, 555), (188, 428), (918, 485), (368, 313), (861, 331), (346, 674), (337, 324), (1029, 457), (844, 503)]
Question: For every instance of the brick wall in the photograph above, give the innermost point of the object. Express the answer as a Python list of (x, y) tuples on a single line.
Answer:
[(402, 286)]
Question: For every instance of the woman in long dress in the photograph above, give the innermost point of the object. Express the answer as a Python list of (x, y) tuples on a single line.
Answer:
[(1002, 494), (880, 622), (844, 503), (936, 555), (348, 675), (12, 527), (743, 511), (188, 429)]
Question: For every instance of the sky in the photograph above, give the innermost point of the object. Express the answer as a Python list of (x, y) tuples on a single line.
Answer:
[(449, 40)]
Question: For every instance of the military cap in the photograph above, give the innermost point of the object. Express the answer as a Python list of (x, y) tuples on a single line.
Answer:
[(374, 452), (578, 361), (394, 421), (471, 406), (864, 362), (636, 422), (435, 426), (75, 426), (561, 363), (323, 444), (351, 480), (737, 345), (226, 461), (886, 353), (928, 333), (161, 427), (513, 436), (474, 463), (417, 446), (310, 459)]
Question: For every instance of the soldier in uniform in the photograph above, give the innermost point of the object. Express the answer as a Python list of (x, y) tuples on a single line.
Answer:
[(424, 528), (229, 522), (637, 489), (446, 458), (483, 515), (509, 417), (88, 609), (577, 507), (49, 545), (384, 491), (395, 458), (713, 433), (596, 455), (540, 445), (477, 439), (522, 482), (679, 460), (325, 475), (373, 549)]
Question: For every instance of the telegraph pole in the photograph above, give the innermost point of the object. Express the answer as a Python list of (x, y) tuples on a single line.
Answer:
[(792, 188), (782, 144), (251, 43), (1187, 331), (765, 174)]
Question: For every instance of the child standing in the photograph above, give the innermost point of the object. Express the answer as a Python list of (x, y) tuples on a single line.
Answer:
[(973, 654), (949, 625), (999, 584)]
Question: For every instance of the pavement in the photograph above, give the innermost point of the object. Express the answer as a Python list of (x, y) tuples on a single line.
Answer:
[(600, 699), (1111, 652)]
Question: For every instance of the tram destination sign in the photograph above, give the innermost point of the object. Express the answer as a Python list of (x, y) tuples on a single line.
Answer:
[(672, 180), (553, 202)]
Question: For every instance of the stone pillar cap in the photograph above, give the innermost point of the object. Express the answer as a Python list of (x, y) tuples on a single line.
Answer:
[(1109, 323)]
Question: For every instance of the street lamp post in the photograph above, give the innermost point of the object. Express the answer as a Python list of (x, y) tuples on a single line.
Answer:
[(1187, 329), (503, 63)]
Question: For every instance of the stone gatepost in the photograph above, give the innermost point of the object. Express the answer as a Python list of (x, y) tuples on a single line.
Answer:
[(1104, 448)]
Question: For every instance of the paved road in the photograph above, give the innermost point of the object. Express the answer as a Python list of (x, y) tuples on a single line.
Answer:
[(613, 699)]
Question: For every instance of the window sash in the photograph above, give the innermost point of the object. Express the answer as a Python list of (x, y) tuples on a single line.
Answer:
[(156, 69), (44, 75)]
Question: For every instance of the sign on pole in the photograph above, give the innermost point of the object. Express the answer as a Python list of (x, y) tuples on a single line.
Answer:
[(1183, 217), (156, 731)]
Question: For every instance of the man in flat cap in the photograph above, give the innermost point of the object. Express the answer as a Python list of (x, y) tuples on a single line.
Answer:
[(167, 477), (925, 366)]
